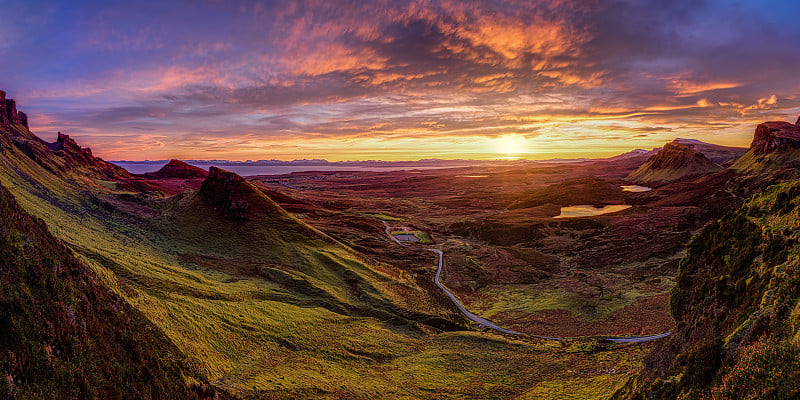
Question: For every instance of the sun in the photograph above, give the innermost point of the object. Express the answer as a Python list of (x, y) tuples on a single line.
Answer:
[(510, 144)]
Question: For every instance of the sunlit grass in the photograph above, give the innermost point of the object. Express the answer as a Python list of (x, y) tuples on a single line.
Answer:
[(263, 309)]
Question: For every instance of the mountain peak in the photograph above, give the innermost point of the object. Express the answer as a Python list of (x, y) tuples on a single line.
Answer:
[(177, 169), (674, 161), (688, 141), (234, 196)]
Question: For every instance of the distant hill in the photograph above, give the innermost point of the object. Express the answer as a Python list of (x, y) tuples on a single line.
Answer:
[(722, 155), (636, 153), (177, 169), (675, 161)]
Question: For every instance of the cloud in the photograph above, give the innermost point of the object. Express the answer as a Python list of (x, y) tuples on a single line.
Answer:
[(277, 72)]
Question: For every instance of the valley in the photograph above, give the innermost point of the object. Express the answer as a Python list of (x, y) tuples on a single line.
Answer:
[(516, 266), (271, 302), (437, 283)]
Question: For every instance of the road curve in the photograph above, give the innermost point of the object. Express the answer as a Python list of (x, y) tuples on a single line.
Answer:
[(638, 339), (489, 324), (480, 320)]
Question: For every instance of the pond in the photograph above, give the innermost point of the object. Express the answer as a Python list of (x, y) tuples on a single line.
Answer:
[(590, 210), (635, 188), (406, 237)]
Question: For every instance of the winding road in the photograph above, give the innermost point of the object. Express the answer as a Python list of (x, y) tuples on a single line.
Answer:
[(483, 322)]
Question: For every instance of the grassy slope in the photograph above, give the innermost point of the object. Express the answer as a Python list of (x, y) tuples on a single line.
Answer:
[(64, 335), (755, 163), (736, 303), (222, 319), (262, 312), (645, 174)]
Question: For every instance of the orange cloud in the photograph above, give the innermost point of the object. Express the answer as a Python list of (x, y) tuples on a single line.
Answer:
[(687, 88)]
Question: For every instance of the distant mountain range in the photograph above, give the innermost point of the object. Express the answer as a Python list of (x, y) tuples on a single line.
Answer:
[(710, 148), (319, 162)]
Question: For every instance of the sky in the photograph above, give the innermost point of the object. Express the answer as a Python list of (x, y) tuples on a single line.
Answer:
[(398, 80)]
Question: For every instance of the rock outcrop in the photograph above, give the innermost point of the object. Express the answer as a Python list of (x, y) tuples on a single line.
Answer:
[(65, 143), (775, 136), (775, 146), (177, 169), (62, 157), (674, 161), (9, 114), (71, 156)]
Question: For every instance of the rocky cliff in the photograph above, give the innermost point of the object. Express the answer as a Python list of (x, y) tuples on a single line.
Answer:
[(775, 146), (62, 157), (9, 114), (736, 302), (775, 136), (674, 161)]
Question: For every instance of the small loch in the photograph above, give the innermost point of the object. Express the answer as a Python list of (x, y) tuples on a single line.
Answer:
[(590, 210), (635, 188)]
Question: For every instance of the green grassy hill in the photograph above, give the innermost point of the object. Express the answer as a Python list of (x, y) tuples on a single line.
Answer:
[(63, 335), (229, 292)]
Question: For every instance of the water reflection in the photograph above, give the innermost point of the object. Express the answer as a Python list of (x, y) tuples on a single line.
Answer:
[(590, 210), (635, 188)]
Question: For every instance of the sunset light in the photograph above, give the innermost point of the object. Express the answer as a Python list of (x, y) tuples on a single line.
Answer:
[(399, 199), (294, 79), (511, 144)]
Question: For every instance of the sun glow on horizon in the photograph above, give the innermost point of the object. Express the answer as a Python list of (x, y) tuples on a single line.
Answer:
[(511, 144)]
